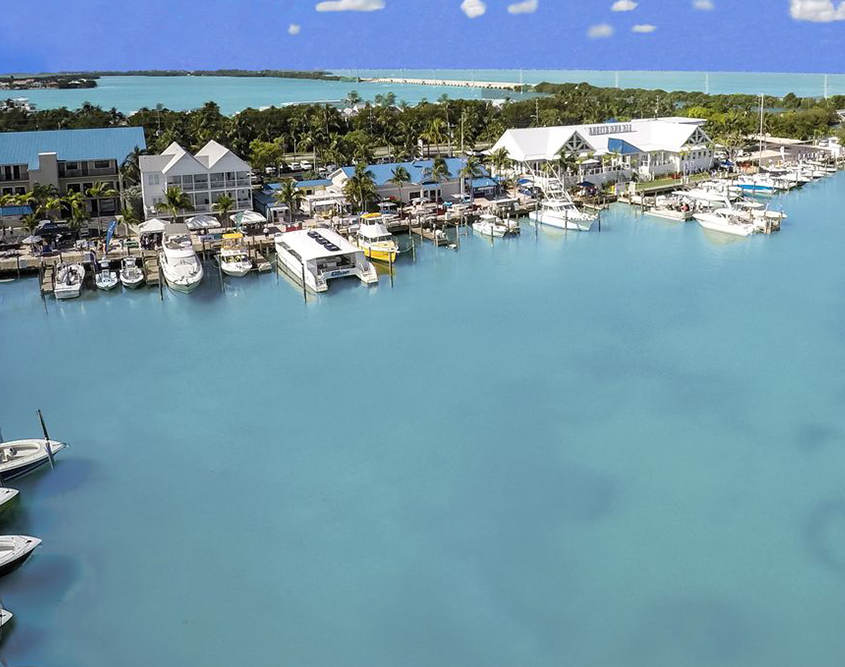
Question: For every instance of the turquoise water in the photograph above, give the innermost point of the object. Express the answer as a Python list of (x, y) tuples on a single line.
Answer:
[(604, 449), (129, 93)]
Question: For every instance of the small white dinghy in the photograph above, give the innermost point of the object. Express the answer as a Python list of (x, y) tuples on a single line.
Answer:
[(131, 275), (105, 278), (14, 550), (7, 496), (20, 457)]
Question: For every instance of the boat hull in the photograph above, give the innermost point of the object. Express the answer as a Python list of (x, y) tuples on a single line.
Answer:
[(380, 255), (14, 469), (132, 284), (723, 227), (235, 270), (21, 557), (561, 223)]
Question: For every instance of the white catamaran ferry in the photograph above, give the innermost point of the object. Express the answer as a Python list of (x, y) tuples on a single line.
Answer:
[(319, 255)]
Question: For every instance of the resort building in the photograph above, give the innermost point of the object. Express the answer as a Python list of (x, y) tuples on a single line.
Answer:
[(204, 177), (421, 185), (634, 150), (70, 161)]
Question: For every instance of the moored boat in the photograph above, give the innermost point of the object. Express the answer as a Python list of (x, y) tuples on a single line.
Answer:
[(67, 280), (15, 550), (180, 265), (7, 495), (375, 240), (104, 277), (564, 214), (234, 260), (131, 275), (724, 221), (20, 457), (489, 225)]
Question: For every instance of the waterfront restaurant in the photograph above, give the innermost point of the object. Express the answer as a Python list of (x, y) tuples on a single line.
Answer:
[(204, 177), (70, 161), (607, 152)]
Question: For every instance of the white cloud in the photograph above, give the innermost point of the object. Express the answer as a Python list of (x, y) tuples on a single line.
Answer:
[(350, 5), (704, 5), (525, 7), (818, 11), (599, 31), (624, 6), (644, 28), (294, 28), (473, 8)]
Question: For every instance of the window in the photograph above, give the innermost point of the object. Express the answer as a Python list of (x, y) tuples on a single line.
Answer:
[(102, 164), (71, 166), (154, 179), (201, 181), (74, 187), (7, 191)]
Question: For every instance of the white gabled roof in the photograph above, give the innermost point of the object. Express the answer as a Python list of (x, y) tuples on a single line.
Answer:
[(544, 143), (211, 157)]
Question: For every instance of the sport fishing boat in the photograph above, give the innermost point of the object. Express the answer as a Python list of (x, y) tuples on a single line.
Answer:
[(67, 280), (19, 457), (724, 220), (105, 278), (759, 184), (14, 550), (180, 265), (131, 275), (375, 240), (234, 260), (564, 214), (489, 225)]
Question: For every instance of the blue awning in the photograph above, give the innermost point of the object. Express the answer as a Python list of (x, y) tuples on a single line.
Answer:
[(484, 182), (15, 210)]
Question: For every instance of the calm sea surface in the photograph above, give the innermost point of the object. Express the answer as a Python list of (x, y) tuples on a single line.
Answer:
[(616, 448), (129, 93)]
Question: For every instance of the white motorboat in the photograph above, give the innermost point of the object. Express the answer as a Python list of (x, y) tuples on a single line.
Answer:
[(180, 265), (563, 213), (234, 260), (724, 220), (489, 225), (131, 275), (678, 209), (14, 550), (19, 457), (7, 495), (316, 256), (67, 280), (105, 278)]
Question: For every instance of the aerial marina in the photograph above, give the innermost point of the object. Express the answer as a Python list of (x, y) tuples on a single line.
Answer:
[(514, 339)]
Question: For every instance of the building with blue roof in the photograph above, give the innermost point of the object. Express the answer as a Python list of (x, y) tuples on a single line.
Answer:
[(69, 160), (422, 186)]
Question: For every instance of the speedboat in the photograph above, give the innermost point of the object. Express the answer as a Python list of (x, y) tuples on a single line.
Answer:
[(105, 278), (68, 280), (19, 457), (678, 209), (489, 225), (234, 260), (724, 220), (375, 240), (14, 550), (131, 275), (180, 265), (7, 495), (563, 213)]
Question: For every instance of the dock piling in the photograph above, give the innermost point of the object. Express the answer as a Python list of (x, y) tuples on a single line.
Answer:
[(47, 438), (304, 290)]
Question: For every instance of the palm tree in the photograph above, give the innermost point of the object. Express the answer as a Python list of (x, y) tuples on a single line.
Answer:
[(353, 98), (500, 160), (433, 134), (439, 169), (400, 177), (129, 218), (222, 206), (101, 190), (52, 205), (289, 195), (29, 222), (175, 202), (361, 187), (76, 205), (472, 170)]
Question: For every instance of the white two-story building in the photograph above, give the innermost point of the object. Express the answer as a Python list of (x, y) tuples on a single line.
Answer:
[(642, 149), (204, 177)]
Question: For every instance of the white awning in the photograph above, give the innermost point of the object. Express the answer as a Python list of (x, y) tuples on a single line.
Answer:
[(152, 226), (247, 218), (203, 222)]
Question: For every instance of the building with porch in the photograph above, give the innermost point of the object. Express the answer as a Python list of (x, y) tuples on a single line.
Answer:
[(421, 186), (70, 161), (204, 177), (635, 150)]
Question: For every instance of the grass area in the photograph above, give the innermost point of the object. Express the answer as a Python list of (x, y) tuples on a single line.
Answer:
[(662, 183)]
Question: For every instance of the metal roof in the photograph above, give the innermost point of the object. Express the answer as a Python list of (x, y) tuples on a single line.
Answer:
[(107, 143), (382, 173)]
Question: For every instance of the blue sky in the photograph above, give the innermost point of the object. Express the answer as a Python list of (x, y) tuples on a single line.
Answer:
[(737, 35)]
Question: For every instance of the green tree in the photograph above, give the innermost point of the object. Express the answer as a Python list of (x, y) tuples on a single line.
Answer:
[(101, 190), (471, 170), (400, 177), (289, 195), (222, 206), (360, 188), (175, 202)]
